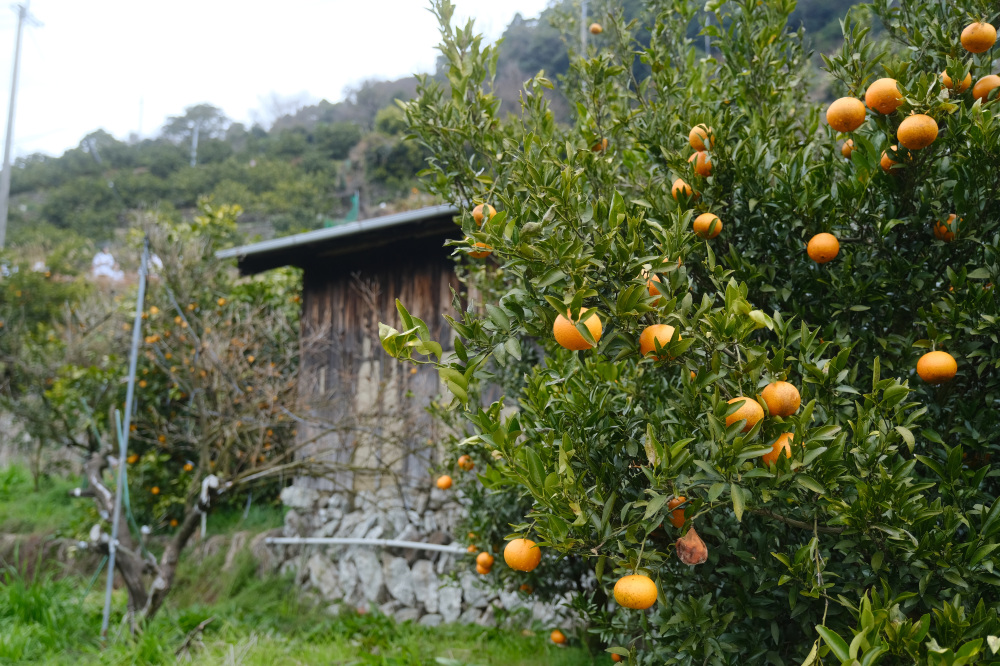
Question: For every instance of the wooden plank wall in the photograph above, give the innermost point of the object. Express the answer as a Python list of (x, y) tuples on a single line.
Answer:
[(367, 409)]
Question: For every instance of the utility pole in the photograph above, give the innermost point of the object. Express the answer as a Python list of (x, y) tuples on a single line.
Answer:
[(22, 17), (194, 144)]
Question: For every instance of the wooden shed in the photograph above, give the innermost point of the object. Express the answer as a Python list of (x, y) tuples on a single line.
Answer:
[(363, 410)]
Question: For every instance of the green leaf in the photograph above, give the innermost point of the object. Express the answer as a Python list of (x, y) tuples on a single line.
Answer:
[(810, 483), (837, 644), (907, 436), (654, 506), (979, 274), (738, 501), (982, 552), (536, 471)]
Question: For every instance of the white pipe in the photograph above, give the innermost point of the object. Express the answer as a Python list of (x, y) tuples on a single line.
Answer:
[(342, 541)]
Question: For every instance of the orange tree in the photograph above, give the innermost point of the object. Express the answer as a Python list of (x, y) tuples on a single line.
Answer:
[(848, 516)]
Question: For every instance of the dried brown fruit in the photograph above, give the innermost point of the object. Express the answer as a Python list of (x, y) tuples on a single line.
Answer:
[(691, 549)]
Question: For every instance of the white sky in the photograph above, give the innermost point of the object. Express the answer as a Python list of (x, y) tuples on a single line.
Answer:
[(95, 63)]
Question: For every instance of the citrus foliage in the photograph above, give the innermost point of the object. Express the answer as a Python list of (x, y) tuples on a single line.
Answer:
[(879, 533)]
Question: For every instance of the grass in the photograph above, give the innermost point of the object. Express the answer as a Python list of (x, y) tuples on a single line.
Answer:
[(267, 621), (256, 621)]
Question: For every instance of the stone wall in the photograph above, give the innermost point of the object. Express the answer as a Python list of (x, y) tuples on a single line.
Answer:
[(419, 585)]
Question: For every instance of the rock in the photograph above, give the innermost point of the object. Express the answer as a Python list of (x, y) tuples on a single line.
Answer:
[(361, 528), (472, 590), (349, 523), (236, 545), (374, 533), (397, 579), (407, 615), (369, 574), (338, 502), (332, 524), (298, 497), (390, 607), (213, 545), (469, 616), (431, 620), (429, 523), (347, 573), (425, 584), (394, 521), (323, 576), (266, 555), (450, 602), (438, 498), (416, 500), (488, 617), (293, 524)]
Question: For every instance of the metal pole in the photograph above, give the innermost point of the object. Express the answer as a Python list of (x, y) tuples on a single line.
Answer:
[(348, 541), (123, 430), (194, 145), (22, 15), (583, 27)]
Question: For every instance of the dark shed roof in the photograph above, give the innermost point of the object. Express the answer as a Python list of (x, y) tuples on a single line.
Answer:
[(348, 243)]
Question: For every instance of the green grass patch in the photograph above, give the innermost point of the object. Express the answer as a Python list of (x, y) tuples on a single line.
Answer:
[(50, 509)]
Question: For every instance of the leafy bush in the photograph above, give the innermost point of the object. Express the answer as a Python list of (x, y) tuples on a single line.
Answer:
[(875, 539)]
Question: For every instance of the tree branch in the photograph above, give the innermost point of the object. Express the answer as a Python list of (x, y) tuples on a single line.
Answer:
[(791, 522)]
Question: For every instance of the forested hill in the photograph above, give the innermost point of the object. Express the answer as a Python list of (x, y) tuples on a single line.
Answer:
[(302, 172)]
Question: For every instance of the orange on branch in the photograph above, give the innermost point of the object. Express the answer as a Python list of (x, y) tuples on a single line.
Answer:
[(782, 444), (846, 114), (522, 554), (750, 410), (702, 163), (481, 570), (676, 515), (444, 482), (782, 398), (635, 591), (847, 148), (600, 146), (557, 637), (979, 37), (698, 135), (946, 230), (917, 131), (481, 254), (823, 247), (484, 559), (985, 86), (653, 335), (883, 96), (596, 29), (466, 463), (937, 367), (482, 212), (680, 188), (567, 336), (707, 225), (950, 85)]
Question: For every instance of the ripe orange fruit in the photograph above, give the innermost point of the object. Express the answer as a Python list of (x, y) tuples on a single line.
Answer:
[(527, 589), (616, 657), (782, 398), (823, 247), (596, 29), (155, 490), (522, 554), (483, 211), (707, 225), (961, 87), (557, 637), (444, 482), (221, 302), (636, 591), (173, 522), (698, 134), (886, 162), (783, 443), (188, 467), (937, 367), (567, 336), (472, 548), (846, 114), (132, 459), (680, 187), (984, 86), (485, 559), (653, 335), (945, 231), (979, 37), (480, 254), (600, 146), (883, 96), (481, 570), (677, 515), (702, 163), (847, 148), (749, 410), (917, 131), (466, 463)]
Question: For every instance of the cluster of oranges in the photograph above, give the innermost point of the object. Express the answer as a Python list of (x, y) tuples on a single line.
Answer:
[(918, 130)]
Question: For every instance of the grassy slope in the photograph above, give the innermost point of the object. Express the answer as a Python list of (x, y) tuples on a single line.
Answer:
[(256, 621)]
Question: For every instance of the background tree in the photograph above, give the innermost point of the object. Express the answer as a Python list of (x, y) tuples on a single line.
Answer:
[(874, 538)]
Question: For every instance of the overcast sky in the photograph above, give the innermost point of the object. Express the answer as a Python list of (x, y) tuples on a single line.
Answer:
[(114, 64)]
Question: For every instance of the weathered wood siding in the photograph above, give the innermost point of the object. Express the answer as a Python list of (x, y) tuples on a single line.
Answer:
[(368, 410)]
